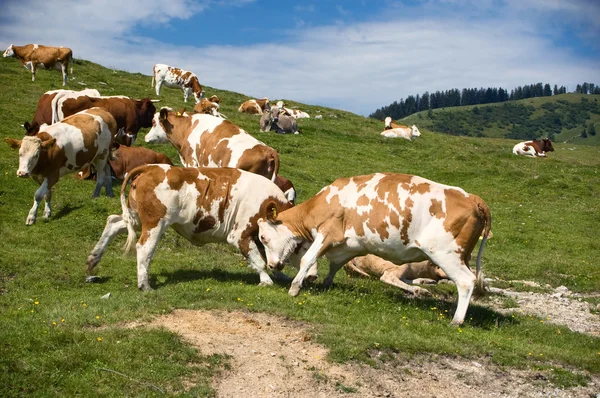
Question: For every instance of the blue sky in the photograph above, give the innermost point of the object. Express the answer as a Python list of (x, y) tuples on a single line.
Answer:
[(356, 55)]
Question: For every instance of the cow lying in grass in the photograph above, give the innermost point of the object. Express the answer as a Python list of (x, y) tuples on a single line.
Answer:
[(399, 217), (402, 276), (204, 205)]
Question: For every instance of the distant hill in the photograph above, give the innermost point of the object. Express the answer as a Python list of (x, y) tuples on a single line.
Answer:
[(562, 117)]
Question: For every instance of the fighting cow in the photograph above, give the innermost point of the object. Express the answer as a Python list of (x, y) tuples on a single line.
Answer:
[(295, 113), (534, 149), (177, 78), (47, 109), (398, 217), (403, 276), (131, 115), (78, 141), (208, 141), (33, 55), (287, 188), (207, 107), (127, 158), (273, 120), (204, 205), (254, 106)]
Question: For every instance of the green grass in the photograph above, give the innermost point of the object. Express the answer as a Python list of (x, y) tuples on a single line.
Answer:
[(545, 213)]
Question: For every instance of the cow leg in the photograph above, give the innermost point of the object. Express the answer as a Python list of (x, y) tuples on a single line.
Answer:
[(63, 68), (308, 260), (145, 250), (333, 269), (115, 225), (462, 276), (186, 94), (47, 209), (391, 278), (102, 179), (159, 84), (41, 192), (32, 72)]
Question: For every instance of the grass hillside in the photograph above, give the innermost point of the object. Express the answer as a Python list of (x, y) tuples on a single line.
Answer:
[(562, 117), (57, 332)]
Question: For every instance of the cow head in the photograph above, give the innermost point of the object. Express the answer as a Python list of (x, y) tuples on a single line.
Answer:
[(10, 52), (388, 123), (279, 241), (547, 145), (415, 131), (30, 149), (146, 111), (157, 134)]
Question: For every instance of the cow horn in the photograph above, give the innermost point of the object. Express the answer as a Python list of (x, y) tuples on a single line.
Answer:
[(155, 100)]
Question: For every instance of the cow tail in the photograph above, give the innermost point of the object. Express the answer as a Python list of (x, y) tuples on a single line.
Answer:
[(71, 61), (484, 212), (127, 216)]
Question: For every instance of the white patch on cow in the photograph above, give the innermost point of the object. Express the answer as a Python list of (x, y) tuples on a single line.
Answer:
[(29, 153), (157, 134), (35, 46), (239, 143)]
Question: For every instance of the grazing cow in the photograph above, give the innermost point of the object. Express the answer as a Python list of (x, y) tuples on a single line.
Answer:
[(402, 276), (47, 109), (208, 141), (34, 55), (207, 107), (254, 106), (65, 147), (126, 158), (398, 217), (131, 115), (295, 113), (534, 149), (287, 188), (177, 78), (204, 205), (273, 120)]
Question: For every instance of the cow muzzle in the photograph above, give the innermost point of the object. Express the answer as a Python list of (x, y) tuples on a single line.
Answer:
[(22, 174), (276, 266)]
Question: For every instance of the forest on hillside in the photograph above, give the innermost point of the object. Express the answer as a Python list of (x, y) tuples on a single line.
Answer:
[(473, 96)]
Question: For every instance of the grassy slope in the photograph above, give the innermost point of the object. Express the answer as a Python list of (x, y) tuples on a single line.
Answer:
[(472, 124), (545, 218)]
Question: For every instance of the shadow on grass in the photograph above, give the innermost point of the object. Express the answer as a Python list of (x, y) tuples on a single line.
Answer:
[(66, 210), (187, 275)]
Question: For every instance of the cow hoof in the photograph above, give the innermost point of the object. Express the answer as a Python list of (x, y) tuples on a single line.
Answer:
[(91, 278), (145, 288), (294, 291), (421, 292), (30, 221), (266, 283)]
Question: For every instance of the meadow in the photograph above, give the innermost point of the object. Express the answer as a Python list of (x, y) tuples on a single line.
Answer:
[(59, 335)]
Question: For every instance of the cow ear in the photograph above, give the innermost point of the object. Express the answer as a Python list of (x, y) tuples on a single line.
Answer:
[(14, 144), (181, 112), (271, 210), (164, 113), (48, 144), (27, 126)]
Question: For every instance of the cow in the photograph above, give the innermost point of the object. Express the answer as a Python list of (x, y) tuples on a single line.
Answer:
[(207, 107), (273, 120), (534, 149), (65, 147), (131, 115), (209, 141), (254, 106), (34, 55), (287, 188), (177, 78), (399, 217), (215, 99), (204, 205), (402, 276), (295, 113), (127, 158), (47, 109)]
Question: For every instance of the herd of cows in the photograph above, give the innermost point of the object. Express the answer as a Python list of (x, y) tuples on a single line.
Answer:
[(229, 188)]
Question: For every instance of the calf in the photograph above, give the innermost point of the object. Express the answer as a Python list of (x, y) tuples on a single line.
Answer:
[(254, 106), (204, 205), (34, 55), (49, 107), (177, 78), (78, 141), (402, 276), (534, 149), (398, 217), (208, 141), (273, 120)]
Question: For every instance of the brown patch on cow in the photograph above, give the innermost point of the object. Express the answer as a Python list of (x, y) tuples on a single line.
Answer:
[(406, 215), (421, 188), (150, 210), (203, 222), (436, 209), (363, 200)]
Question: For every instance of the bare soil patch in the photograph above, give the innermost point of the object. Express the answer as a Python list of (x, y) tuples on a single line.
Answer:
[(275, 357)]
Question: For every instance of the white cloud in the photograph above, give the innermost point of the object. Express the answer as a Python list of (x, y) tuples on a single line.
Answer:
[(357, 67)]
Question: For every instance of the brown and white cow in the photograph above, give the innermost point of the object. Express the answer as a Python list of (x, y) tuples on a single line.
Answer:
[(207, 107), (254, 106), (131, 115), (65, 147), (47, 109), (404, 276), (34, 55), (401, 218), (295, 113), (127, 158), (534, 149), (208, 141), (204, 205), (177, 78), (393, 130), (215, 99)]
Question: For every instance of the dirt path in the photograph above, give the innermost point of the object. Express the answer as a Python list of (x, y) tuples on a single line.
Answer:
[(275, 357)]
